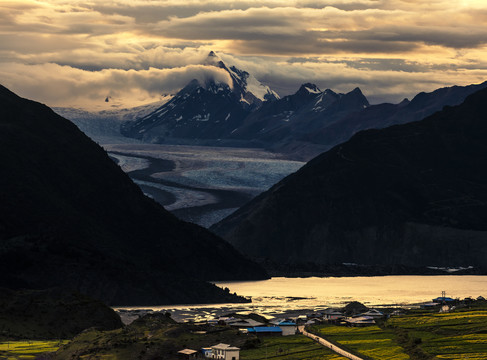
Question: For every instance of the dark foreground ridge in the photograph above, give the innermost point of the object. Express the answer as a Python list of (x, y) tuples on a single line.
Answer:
[(70, 217), (52, 314), (413, 195)]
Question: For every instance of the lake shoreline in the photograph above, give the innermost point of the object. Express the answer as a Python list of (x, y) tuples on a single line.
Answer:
[(280, 295), (305, 270)]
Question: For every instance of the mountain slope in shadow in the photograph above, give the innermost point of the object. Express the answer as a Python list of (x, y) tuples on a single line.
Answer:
[(413, 194), (70, 217)]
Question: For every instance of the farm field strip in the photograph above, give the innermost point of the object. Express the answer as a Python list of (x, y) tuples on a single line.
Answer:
[(373, 342), (26, 349), (456, 335)]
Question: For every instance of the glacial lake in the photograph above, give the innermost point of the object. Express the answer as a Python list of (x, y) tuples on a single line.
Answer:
[(294, 295)]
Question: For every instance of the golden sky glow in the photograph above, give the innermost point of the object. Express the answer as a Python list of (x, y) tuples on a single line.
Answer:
[(75, 53)]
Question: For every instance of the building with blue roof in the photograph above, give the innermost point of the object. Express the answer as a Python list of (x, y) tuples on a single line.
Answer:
[(443, 299), (265, 330)]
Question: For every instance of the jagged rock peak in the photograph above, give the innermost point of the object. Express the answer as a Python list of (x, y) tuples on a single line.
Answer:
[(310, 88), (357, 96), (404, 102), (214, 60), (356, 91)]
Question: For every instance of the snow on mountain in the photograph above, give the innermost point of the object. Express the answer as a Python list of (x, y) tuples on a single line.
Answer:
[(125, 114), (107, 122), (208, 109), (312, 88), (251, 90)]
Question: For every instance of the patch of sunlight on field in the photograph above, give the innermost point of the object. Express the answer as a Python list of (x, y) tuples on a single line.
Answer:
[(289, 348), (389, 354), (457, 335), (26, 350), (438, 319), (471, 356), (371, 341)]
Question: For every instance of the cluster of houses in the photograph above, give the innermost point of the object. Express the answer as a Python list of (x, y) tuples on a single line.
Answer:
[(445, 304), (289, 326), (279, 327), (367, 318)]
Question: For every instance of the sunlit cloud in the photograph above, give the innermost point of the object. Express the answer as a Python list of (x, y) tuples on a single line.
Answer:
[(76, 53)]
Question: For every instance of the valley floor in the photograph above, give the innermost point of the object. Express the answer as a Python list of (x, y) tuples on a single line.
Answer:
[(201, 184)]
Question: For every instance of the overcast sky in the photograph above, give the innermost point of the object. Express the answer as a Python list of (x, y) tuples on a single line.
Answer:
[(76, 53)]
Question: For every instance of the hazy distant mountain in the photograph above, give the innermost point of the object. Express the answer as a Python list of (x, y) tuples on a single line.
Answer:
[(384, 115), (70, 217), (413, 194), (107, 122), (209, 110)]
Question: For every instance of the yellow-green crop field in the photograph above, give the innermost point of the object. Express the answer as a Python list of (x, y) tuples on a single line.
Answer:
[(456, 336), (289, 348), (27, 350), (372, 341)]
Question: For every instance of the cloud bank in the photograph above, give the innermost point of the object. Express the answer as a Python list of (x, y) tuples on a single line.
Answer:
[(76, 53)]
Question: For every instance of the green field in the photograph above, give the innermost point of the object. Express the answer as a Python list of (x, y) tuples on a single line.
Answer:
[(372, 341), (458, 335), (27, 350), (289, 348)]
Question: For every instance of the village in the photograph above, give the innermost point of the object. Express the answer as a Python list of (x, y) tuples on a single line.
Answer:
[(441, 328), (352, 315)]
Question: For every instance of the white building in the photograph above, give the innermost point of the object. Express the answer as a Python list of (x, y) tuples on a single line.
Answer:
[(288, 328), (373, 313), (333, 314), (360, 321), (225, 352)]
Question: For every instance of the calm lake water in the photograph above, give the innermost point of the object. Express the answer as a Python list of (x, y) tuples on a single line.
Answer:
[(286, 295)]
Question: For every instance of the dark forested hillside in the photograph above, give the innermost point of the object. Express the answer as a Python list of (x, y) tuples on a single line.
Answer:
[(413, 194), (70, 217)]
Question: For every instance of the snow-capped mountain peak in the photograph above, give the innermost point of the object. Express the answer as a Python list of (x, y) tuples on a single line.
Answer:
[(312, 88), (204, 108), (250, 90), (214, 60)]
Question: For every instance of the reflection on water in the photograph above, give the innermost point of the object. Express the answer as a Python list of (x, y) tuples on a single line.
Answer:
[(280, 295)]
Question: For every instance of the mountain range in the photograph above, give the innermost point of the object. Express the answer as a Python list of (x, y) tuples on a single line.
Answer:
[(70, 217), (412, 195), (250, 114), (245, 113)]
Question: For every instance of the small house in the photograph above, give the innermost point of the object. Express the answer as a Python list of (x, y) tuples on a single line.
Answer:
[(288, 327), (443, 300), (225, 352), (360, 321), (246, 323), (376, 314), (333, 315), (187, 354)]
